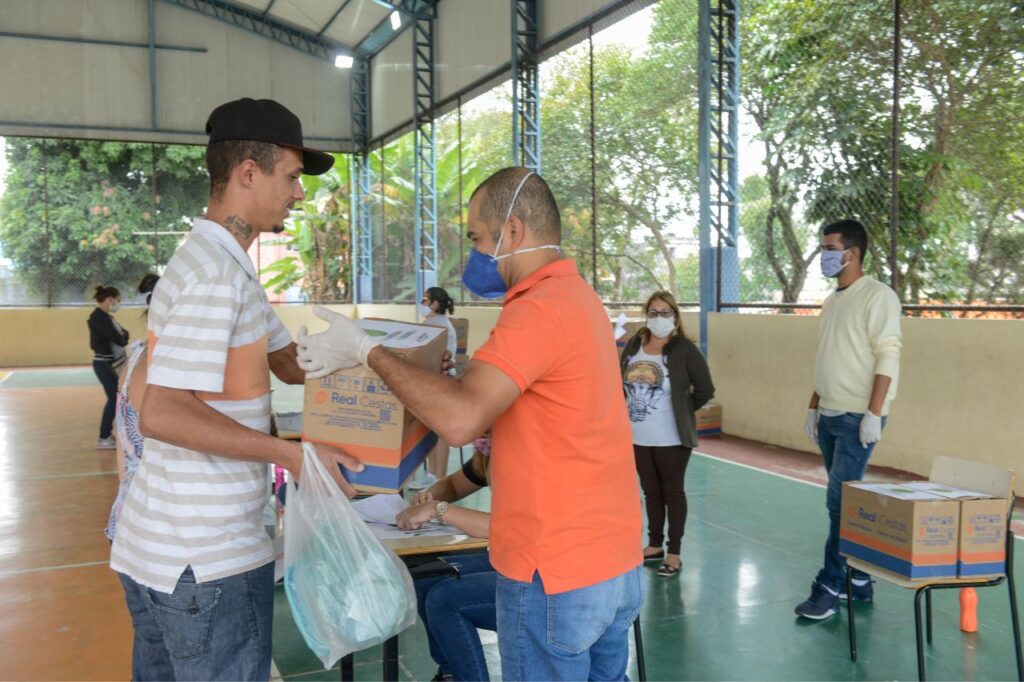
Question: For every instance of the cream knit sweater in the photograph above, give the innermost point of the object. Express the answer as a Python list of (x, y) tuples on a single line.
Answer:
[(859, 337)]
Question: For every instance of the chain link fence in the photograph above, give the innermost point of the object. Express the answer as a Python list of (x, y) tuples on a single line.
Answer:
[(819, 101), (619, 121), (75, 214)]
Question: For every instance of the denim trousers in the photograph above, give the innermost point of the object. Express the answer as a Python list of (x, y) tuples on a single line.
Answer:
[(582, 634), (453, 608), (845, 460), (216, 630), (107, 375)]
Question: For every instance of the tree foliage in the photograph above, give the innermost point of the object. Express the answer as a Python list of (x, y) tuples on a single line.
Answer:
[(73, 210)]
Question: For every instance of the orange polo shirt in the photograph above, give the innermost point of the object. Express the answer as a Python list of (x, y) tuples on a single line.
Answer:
[(564, 500)]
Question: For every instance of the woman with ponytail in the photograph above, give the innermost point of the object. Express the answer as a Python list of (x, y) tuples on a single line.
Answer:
[(435, 308), (107, 339)]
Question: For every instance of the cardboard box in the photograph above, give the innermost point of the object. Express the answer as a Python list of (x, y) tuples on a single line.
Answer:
[(709, 420), (912, 533), (461, 358), (981, 550), (355, 410)]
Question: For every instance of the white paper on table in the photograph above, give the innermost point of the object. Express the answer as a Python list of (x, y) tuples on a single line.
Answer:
[(379, 512), (380, 508)]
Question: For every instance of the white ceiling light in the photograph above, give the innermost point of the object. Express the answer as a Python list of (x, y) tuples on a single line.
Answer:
[(396, 21), (344, 61)]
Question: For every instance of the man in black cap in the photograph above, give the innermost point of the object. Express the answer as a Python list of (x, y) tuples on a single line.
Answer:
[(191, 551)]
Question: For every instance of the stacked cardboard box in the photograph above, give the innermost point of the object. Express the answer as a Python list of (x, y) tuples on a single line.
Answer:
[(354, 409), (923, 530), (981, 550), (709, 420)]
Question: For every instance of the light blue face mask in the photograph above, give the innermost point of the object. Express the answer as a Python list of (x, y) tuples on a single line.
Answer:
[(481, 274), (832, 263)]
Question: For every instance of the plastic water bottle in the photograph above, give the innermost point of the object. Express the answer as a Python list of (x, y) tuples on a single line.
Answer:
[(968, 609)]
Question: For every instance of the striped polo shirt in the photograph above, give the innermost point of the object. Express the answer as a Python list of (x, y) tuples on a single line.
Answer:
[(210, 329)]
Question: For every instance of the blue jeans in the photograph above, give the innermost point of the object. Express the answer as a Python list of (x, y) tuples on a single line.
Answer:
[(581, 634), (108, 378), (845, 460), (453, 608), (217, 630)]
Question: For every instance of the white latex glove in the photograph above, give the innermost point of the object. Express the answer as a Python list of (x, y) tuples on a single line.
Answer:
[(870, 428), (811, 425), (343, 345)]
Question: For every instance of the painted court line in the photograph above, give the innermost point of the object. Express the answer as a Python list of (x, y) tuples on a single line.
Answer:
[(44, 569), (759, 470)]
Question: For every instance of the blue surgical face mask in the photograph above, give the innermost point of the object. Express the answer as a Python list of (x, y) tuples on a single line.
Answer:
[(481, 274), (832, 263)]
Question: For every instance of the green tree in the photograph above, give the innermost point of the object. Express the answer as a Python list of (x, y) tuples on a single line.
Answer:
[(817, 83), (78, 213), (645, 155), (321, 235)]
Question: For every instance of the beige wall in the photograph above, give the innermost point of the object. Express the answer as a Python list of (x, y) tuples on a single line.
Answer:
[(33, 337), (961, 387)]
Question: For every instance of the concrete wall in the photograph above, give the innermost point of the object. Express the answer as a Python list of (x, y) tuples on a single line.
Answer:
[(961, 386)]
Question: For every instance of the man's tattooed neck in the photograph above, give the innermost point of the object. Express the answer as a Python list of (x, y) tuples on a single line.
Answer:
[(238, 227)]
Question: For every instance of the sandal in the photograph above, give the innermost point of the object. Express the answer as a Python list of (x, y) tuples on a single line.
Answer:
[(654, 557), (667, 570)]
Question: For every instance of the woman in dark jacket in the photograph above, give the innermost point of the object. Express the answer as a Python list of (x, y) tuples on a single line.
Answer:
[(107, 339), (666, 380)]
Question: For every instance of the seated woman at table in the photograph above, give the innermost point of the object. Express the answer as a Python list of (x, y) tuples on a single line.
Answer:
[(452, 608)]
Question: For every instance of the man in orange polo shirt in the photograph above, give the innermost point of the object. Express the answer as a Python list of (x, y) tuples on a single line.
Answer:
[(565, 511)]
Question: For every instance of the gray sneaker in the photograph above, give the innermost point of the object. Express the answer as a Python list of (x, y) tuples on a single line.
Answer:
[(107, 443)]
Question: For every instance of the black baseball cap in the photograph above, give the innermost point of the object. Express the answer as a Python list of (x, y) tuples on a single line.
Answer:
[(265, 120)]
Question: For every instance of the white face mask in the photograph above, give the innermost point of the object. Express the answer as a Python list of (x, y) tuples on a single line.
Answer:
[(662, 326), (424, 310), (114, 307)]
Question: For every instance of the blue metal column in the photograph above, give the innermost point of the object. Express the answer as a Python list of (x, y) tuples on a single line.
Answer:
[(718, 144), (151, 13), (425, 214), (362, 227), (525, 86)]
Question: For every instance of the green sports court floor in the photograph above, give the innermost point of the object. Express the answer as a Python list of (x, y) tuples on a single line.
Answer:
[(753, 544)]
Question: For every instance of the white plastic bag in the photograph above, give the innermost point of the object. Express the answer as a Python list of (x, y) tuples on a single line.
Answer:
[(347, 592)]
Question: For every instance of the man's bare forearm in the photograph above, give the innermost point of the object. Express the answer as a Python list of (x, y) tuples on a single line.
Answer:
[(284, 364), (879, 389), (166, 412), (439, 401)]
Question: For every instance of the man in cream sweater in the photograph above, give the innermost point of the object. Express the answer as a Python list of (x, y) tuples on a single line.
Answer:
[(855, 377)]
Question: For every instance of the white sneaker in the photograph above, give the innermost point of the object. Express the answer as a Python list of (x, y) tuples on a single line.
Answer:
[(107, 443), (423, 480)]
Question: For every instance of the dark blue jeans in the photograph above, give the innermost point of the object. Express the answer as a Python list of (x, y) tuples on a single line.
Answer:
[(845, 460), (217, 630), (453, 608), (108, 377)]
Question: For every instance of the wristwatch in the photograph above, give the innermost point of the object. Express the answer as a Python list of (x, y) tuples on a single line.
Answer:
[(439, 511)]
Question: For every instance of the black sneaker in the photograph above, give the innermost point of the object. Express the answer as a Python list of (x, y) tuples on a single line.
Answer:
[(822, 604), (862, 591), (441, 676)]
